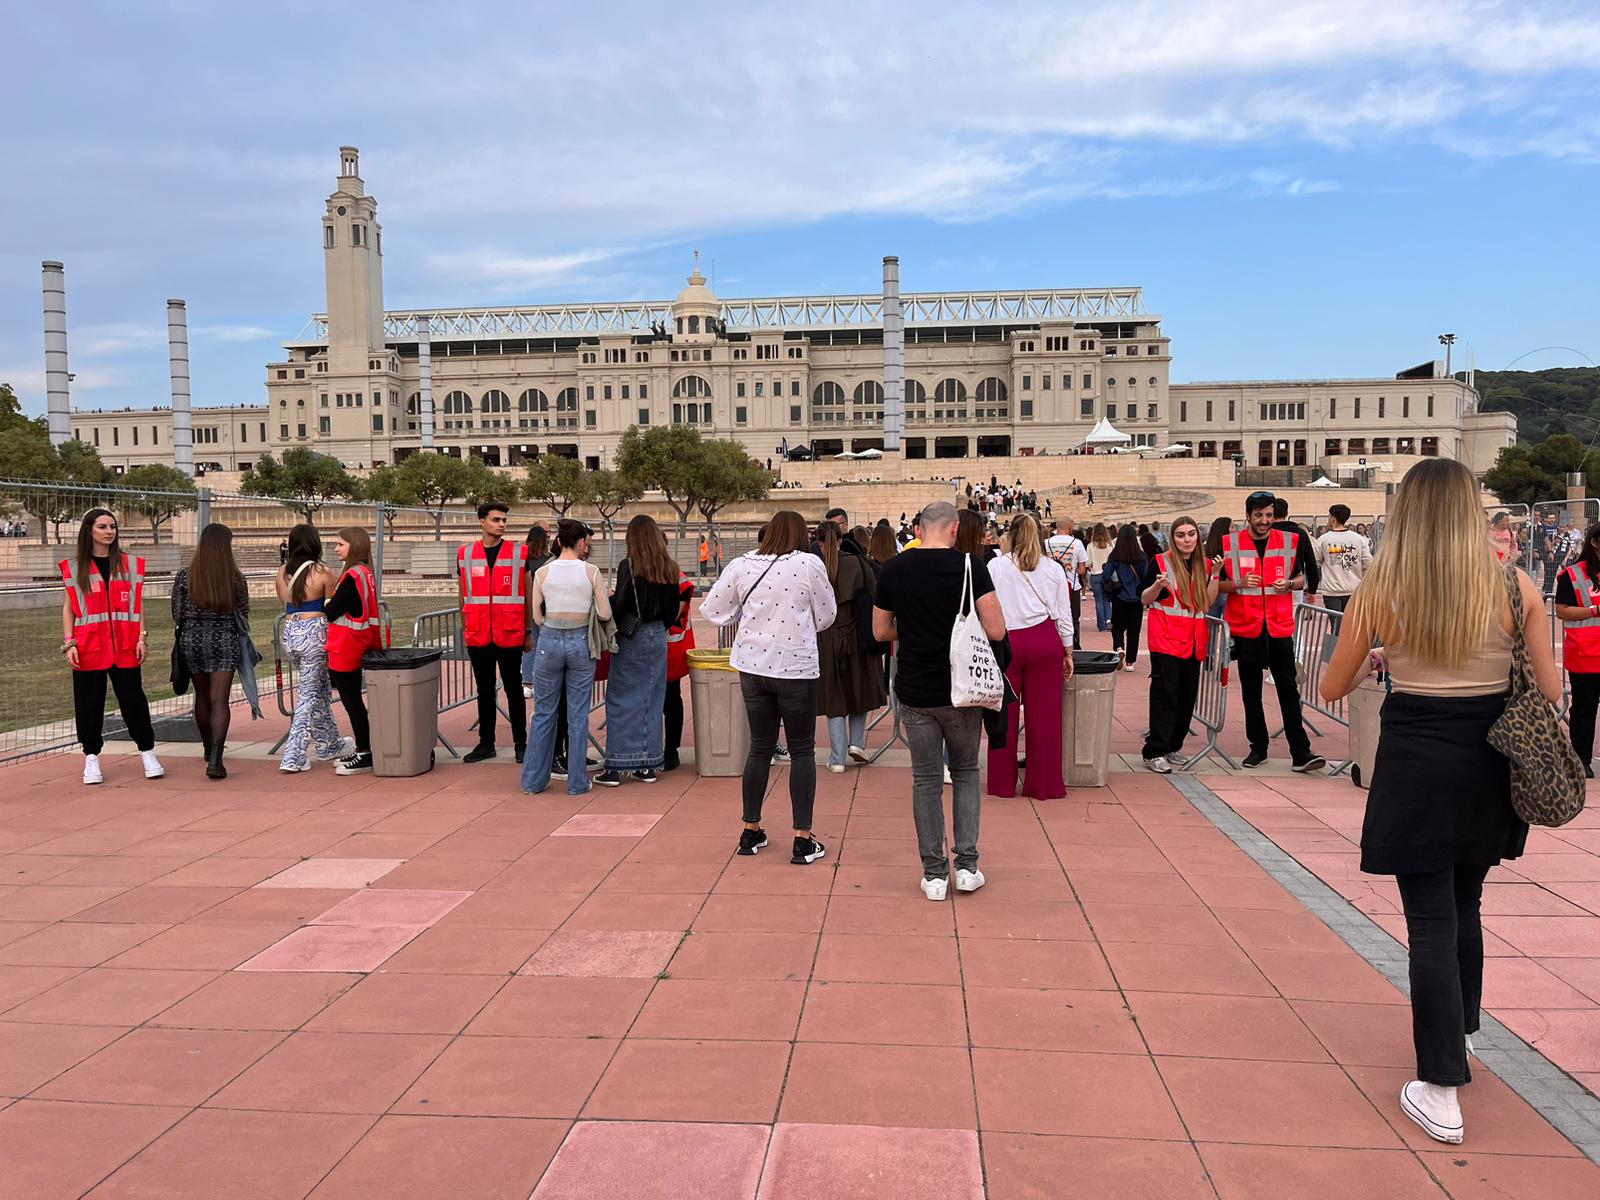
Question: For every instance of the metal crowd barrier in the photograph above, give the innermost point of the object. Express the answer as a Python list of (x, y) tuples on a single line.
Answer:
[(1316, 634), (442, 629), (286, 678), (1211, 704)]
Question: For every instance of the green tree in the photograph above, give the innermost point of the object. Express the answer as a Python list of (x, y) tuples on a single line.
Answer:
[(731, 477), (166, 492), (304, 480), (557, 482), (426, 480), (1529, 474), (610, 492), (667, 458)]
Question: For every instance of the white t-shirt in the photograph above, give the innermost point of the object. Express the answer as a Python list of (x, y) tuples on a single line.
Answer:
[(1068, 551), (1343, 555), (1026, 598)]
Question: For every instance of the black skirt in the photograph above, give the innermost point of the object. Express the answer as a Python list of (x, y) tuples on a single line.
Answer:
[(1441, 795)]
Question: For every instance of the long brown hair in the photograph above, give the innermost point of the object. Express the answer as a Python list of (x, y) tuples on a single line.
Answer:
[(305, 546), (969, 532), (784, 534), (86, 547), (214, 576), (828, 545), (360, 543), (1189, 573), (1221, 527), (647, 552), (1100, 536), (882, 547), (538, 542)]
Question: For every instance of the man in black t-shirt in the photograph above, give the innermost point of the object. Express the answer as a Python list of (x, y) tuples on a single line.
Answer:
[(920, 594)]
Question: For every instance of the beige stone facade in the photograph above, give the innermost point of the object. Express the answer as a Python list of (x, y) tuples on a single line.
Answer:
[(987, 374)]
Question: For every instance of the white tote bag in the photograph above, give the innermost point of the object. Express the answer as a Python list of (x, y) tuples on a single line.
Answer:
[(975, 679)]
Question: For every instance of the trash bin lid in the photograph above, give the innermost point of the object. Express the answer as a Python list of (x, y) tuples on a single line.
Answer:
[(711, 660), (400, 658), (1095, 662)]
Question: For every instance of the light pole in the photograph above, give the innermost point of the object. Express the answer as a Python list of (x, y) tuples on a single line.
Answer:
[(1448, 341)]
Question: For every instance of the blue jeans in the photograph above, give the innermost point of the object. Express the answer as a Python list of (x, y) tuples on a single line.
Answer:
[(528, 657), (1102, 605), (561, 662), (844, 732)]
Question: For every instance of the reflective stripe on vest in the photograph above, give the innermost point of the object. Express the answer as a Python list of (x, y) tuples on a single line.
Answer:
[(1585, 590), (107, 635), (1247, 608), (1580, 640), (370, 618)]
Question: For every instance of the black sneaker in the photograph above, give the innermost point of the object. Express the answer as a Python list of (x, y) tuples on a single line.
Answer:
[(670, 761), (752, 840), (478, 753), (780, 752), (644, 776), (558, 768), (1315, 763), (807, 850), (356, 764), (521, 750), (1255, 758), (608, 779)]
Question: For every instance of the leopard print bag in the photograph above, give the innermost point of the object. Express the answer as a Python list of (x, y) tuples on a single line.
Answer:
[(1547, 778)]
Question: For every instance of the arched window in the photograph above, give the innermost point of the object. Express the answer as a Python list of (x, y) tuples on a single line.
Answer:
[(950, 391), (496, 401), (694, 324), (869, 394), (691, 387), (916, 401), (533, 401), (991, 391), (567, 400), (457, 404), (827, 402), (413, 403), (1152, 381)]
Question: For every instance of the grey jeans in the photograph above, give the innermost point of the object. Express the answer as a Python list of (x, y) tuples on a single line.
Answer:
[(930, 732)]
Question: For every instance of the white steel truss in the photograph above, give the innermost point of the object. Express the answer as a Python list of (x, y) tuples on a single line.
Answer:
[(770, 313)]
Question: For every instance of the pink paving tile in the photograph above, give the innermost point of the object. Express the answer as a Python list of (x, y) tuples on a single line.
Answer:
[(1581, 973), (1526, 983), (332, 873), (333, 948), (67, 944), (1273, 1103), (672, 1080), (1033, 1167), (1274, 1172), (631, 825), (1473, 1175), (1549, 937), (998, 962), (1498, 1121), (250, 1000), (810, 1162), (392, 906), (156, 1066), (652, 1160), (635, 910), (1093, 1095), (1248, 1027), (570, 1006), (106, 996), (332, 1073), (486, 1158), (738, 1009), (1032, 1018), (385, 1003), (56, 1149), (884, 1013), (875, 958), (32, 1055), (880, 1085), (1566, 1036), (494, 1077), (628, 954)]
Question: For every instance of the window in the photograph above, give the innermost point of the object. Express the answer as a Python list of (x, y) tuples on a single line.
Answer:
[(1044, 382), (740, 353), (283, 374), (355, 235), (588, 392), (1357, 446), (1088, 381), (1405, 445), (1183, 410), (827, 402), (324, 425), (533, 402), (1230, 410), (1027, 383), (1358, 407), (1430, 445), (1405, 406), (1264, 454), (494, 401), (457, 404), (1111, 386), (625, 395), (1207, 450), (705, 413), (1111, 412), (1300, 452), (691, 387), (616, 356), (1208, 412), (951, 393), (760, 387), (1380, 408), (644, 391), (1086, 407), (283, 432), (767, 351), (589, 419), (738, 390), (327, 243), (567, 408), (1380, 445), (1026, 407), (116, 436), (244, 433), (741, 415), (694, 324), (605, 391), (992, 399), (1430, 413), (794, 387), (794, 414), (301, 430), (135, 435), (264, 431), (868, 401), (1331, 448), (644, 416), (1333, 408)]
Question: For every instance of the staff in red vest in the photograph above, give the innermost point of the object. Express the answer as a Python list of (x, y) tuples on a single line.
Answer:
[(104, 640), (496, 614), (1259, 579), (1180, 590), (1578, 607), (355, 625)]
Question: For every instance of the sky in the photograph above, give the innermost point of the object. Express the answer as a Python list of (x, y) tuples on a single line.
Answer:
[(1301, 189)]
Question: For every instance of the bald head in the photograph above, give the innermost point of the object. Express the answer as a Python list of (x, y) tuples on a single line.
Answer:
[(939, 524)]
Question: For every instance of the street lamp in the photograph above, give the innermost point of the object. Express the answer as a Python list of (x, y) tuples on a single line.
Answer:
[(1447, 340)]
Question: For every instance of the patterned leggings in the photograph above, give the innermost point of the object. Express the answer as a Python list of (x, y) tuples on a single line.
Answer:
[(306, 642)]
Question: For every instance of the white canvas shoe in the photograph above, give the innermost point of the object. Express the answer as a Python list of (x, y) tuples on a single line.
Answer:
[(152, 765), (1435, 1109), (859, 753), (935, 889), (91, 769), (969, 881)]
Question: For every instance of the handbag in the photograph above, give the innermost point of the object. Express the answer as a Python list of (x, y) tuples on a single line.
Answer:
[(180, 665), (628, 623), (975, 677), (1547, 777)]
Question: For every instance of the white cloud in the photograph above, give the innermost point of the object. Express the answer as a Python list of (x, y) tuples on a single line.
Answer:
[(234, 333), (503, 270), (108, 341)]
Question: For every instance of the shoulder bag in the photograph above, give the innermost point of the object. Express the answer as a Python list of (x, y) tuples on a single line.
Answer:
[(975, 677), (1547, 778)]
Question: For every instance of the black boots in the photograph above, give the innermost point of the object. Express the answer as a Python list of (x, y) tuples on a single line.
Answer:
[(214, 767)]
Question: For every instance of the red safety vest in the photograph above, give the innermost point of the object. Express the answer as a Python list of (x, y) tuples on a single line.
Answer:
[(106, 620), (349, 637), (680, 638), (494, 604), (1247, 610), (1175, 628), (1580, 640)]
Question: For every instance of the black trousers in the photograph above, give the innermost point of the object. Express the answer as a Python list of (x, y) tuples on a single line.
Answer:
[(89, 706), (1585, 700), (1174, 686), (1279, 656), (792, 703), (672, 711), (348, 685), (507, 660), (1336, 603), (1445, 935), (1077, 623), (1126, 618)]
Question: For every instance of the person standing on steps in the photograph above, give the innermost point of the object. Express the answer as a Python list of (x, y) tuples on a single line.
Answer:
[(1439, 813), (496, 613), (1258, 577), (303, 585), (1179, 588), (1578, 608), (355, 625), (104, 640), (210, 600), (1344, 556)]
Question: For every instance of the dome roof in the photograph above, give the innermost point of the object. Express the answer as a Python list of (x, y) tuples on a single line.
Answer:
[(697, 294)]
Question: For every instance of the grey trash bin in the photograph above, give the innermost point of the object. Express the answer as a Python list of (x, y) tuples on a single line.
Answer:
[(1086, 713), (403, 706), (721, 729)]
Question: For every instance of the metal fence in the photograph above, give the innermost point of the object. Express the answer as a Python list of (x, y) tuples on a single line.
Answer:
[(1211, 703), (1316, 635)]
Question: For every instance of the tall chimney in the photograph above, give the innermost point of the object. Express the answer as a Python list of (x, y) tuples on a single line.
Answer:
[(894, 356), (58, 400), (425, 382), (178, 362)]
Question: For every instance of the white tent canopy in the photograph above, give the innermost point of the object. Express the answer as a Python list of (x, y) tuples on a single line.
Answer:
[(1322, 482), (1175, 448), (1106, 434)]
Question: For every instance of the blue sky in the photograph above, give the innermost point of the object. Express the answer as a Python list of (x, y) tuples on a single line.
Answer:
[(1301, 189)]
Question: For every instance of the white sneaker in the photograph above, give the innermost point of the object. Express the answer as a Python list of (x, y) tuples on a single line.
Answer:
[(1176, 761), (935, 889), (969, 881), (346, 747), (1435, 1109), (91, 769), (152, 765), (1159, 765), (859, 753), (1470, 1048), (290, 770), (947, 775), (836, 768), (527, 691), (1127, 666)]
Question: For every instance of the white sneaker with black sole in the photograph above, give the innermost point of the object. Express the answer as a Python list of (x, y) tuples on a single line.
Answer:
[(859, 754), (1435, 1109)]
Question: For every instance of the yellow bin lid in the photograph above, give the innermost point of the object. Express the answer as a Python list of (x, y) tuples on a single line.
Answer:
[(711, 660)]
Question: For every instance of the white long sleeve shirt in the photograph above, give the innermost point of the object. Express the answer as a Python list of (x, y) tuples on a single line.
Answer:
[(781, 604), (1031, 597)]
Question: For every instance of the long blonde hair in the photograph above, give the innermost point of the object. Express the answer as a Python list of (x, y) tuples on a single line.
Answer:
[(1436, 587), (1022, 542), (1188, 573)]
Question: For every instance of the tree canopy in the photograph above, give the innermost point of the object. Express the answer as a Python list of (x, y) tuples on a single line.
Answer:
[(26, 455), (692, 474), (431, 481), (304, 480), (732, 477), (1546, 403), (157, 502), (1528, 474), (557, 482)]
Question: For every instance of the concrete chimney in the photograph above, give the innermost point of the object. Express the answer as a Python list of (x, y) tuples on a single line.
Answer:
[(178, 363), (58, 399), (894, 357), (425, 383)]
